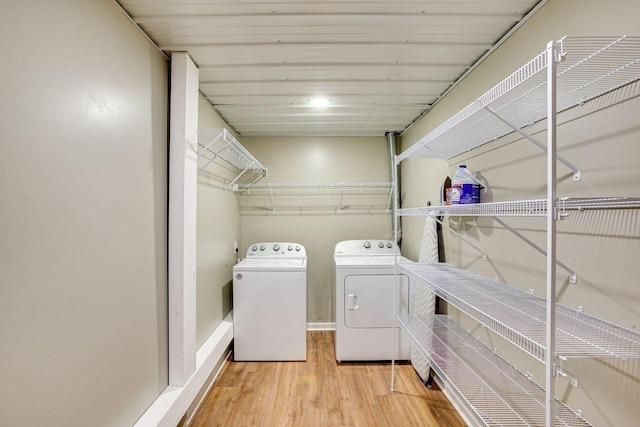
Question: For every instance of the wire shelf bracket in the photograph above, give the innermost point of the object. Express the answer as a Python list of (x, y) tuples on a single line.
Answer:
[(458, 235), (576, 172), (572, 274)]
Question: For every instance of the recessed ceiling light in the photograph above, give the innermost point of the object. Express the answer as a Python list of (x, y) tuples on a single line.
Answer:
[(319, 101)]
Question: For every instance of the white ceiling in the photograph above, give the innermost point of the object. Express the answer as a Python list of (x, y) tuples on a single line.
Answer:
[(383, 63)]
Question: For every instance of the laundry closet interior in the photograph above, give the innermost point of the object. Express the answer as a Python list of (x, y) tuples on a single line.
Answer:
[(207, 195)]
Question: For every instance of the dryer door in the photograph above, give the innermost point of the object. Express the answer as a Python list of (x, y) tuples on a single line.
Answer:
[(368, 300)]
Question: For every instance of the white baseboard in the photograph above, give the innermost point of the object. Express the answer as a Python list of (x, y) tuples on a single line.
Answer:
[(327, 326), (169, 408), (191, 412)]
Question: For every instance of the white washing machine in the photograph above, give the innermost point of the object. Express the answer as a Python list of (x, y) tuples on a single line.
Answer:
[(364, 301), (270, 303)]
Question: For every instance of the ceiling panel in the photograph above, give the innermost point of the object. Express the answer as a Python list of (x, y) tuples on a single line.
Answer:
[(358, 101), (273, 55), (382, 63), (296, 72), (302, 87), (239, 113), (268, 7)]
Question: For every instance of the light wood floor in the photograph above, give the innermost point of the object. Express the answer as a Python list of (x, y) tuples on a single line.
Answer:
[(321, 392)]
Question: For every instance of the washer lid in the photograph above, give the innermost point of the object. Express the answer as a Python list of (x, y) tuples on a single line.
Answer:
[(272, 264)]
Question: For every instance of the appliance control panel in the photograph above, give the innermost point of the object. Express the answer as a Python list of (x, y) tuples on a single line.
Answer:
[(366, 247), (276, 250)]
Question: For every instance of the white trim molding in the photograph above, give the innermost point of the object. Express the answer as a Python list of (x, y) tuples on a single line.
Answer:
[(183, 173), (326, 326), (170, 407)]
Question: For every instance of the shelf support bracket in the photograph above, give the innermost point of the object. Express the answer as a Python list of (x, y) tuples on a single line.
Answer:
[(215, 154), (213, 141), (563, 372), (572, 274), (576, 171), (439, 221), (473, 178), (237, 177), (341, 196)]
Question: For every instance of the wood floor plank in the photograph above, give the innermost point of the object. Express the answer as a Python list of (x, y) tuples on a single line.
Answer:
[(322, 393)]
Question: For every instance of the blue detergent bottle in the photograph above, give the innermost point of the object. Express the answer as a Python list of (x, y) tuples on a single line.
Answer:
[(464, 190)]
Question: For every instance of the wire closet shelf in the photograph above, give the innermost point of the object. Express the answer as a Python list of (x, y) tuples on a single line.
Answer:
[(340, 196), (591, 67), (525, 208), (519, 316), (219, 147), (489, 390)]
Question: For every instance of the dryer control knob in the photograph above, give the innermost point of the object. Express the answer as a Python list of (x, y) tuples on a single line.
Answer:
[(389, 245), (367, 244), (298, 248), (262, 248), (290, 248), (254, 248), (381, 245), (276, 247)]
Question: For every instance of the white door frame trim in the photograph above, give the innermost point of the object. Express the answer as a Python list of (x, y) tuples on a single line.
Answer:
[(183, 172)]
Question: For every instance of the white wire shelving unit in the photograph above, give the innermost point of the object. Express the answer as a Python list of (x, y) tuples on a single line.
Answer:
[(342, 196), (567, 74), (489, 390), (219, 147)]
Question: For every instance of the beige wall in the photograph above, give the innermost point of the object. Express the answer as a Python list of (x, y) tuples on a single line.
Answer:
[(218, 227), (83, 217), (318, 160), (603, 247)]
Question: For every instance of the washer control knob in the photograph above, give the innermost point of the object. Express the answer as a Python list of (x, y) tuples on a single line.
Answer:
[(381, 245), (262, 248), (389, 245), (276, 247), (298, 248), (290, 248), (254, 248), (367, 244)]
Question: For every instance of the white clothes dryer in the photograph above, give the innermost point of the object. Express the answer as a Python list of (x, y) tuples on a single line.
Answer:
[(270, 303), (364, 301)]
